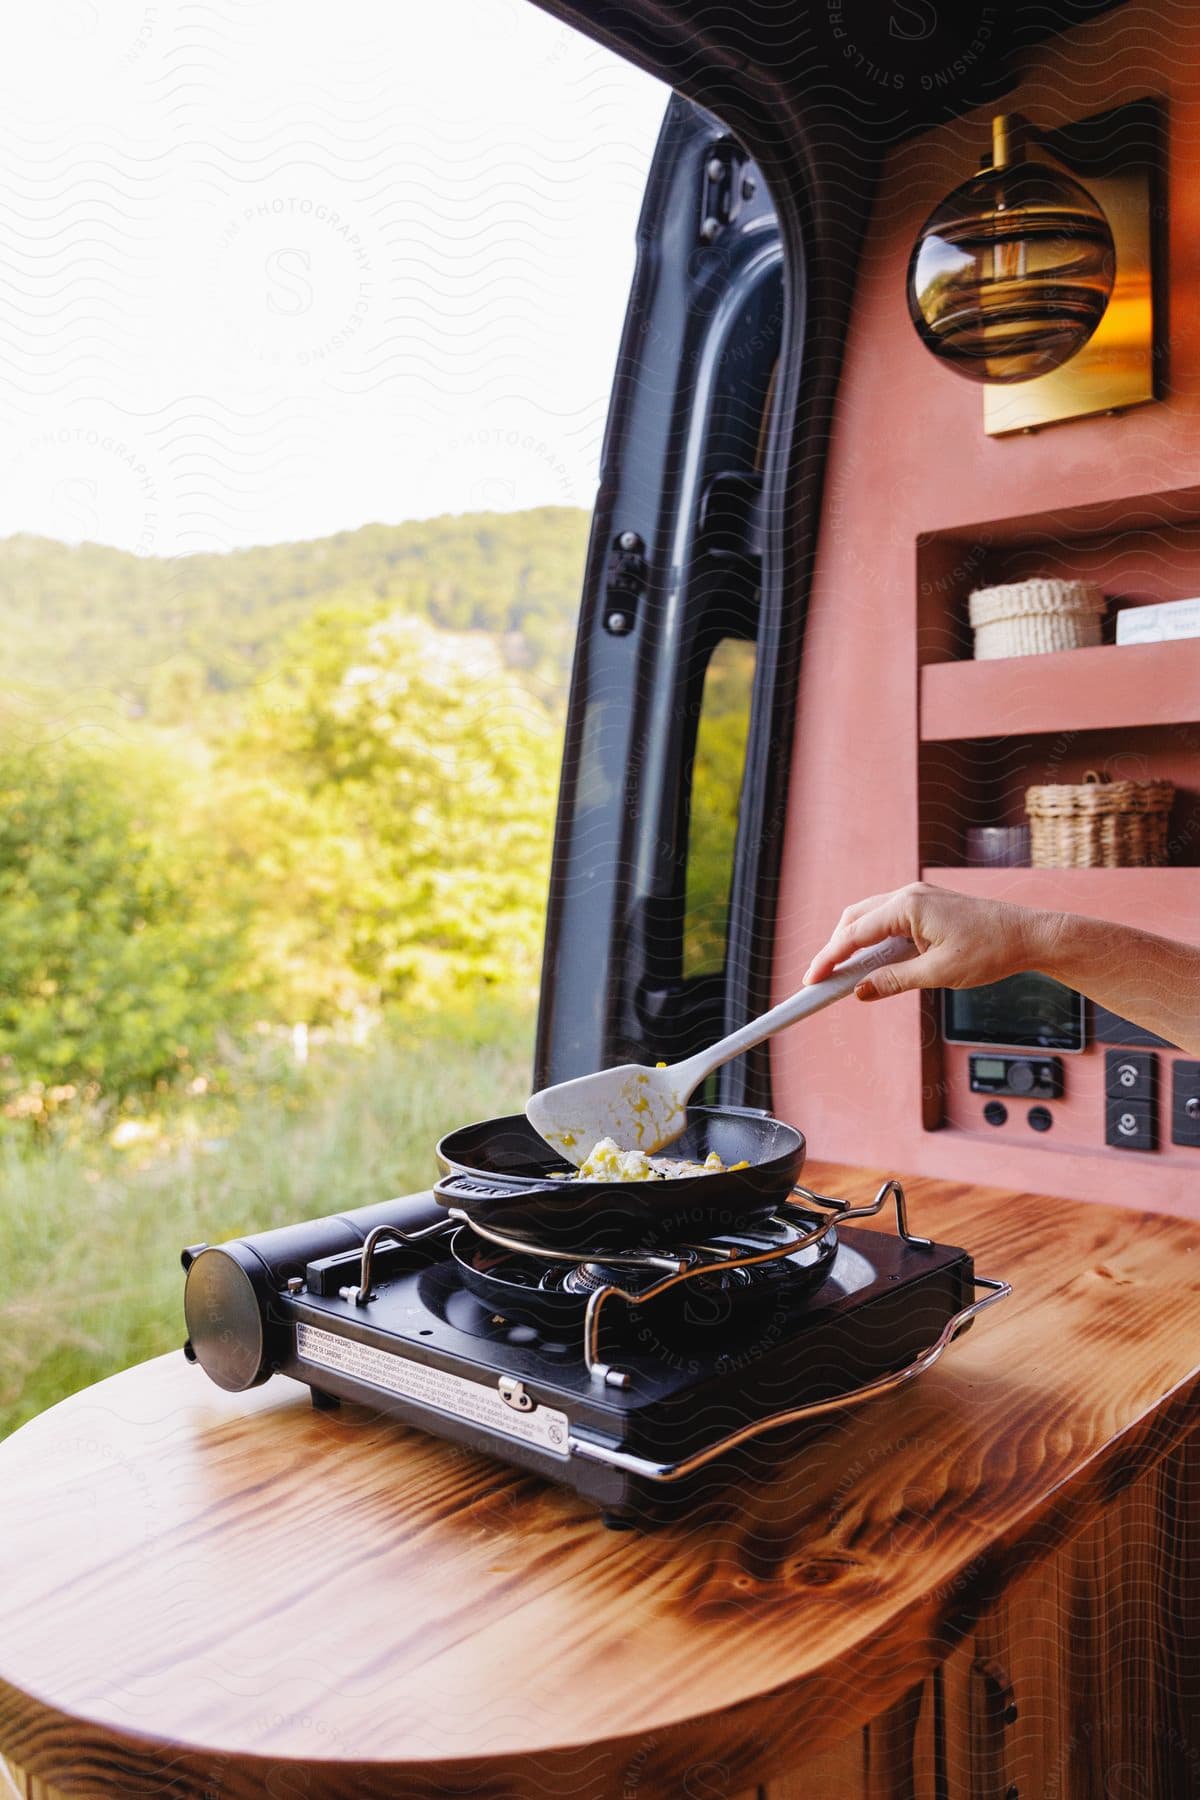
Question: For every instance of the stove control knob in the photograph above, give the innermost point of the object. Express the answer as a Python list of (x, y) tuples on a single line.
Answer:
[(1020, 1078)]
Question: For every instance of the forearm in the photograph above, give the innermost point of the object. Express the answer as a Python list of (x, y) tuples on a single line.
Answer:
[(1151, 981)]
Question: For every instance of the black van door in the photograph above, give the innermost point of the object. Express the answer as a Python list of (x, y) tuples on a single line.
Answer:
[(659, 848)]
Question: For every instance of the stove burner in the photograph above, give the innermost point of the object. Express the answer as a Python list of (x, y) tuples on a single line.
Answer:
[(523, 1289), (554, 1291), (586, 1277)]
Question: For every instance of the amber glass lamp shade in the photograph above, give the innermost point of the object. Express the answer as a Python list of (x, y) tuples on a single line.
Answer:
[(1011, 274)]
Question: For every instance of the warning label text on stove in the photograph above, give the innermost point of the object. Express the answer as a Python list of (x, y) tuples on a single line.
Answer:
[(433, 1387)]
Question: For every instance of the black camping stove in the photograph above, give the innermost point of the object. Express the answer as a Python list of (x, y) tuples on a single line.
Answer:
[(625, 1375)]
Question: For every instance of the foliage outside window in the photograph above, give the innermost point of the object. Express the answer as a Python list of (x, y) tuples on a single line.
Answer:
[(720, 758)]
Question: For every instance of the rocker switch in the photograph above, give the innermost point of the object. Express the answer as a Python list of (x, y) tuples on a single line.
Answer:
[(1130, 1124), (1131, 1075), (1185, 1105)]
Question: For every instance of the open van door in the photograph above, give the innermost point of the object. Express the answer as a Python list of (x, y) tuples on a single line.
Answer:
[(659, 856)]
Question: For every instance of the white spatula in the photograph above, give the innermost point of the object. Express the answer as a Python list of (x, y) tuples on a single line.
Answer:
[(645, 1109)]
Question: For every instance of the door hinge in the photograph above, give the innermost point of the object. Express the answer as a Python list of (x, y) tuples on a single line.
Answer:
[(728, 181), (625, 583)]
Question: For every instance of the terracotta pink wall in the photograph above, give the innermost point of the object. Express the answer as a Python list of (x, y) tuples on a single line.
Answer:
[(909, 455)]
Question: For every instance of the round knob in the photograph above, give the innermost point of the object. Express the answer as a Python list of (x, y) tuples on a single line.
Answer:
[(1020, 1078), (226, 1301), (1191, 1106)]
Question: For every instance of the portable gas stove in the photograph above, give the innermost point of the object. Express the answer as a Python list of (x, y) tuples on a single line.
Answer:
[(623, 1376)]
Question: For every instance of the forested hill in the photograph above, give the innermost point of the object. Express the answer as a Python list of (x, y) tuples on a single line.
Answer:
[(147, 629)]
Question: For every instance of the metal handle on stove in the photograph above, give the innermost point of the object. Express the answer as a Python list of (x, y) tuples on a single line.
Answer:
[(361, 1295), (845, 1214), (883, 1384)]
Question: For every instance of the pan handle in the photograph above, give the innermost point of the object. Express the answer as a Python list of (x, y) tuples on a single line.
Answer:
[(454, 1189)]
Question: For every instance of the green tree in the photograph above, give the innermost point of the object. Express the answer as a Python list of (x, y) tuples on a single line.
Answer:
[(165, 633), (389, 807), (115, 967), (718, 766)]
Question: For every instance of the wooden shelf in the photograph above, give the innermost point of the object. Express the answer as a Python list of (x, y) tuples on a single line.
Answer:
[(1162, 510), (1161, 900), (1112, 687)]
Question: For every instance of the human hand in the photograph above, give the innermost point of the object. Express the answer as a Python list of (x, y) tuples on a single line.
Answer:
[(963, 942)]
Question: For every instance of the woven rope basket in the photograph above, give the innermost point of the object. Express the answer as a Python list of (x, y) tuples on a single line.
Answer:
[(1099, 824), (1028, 618)]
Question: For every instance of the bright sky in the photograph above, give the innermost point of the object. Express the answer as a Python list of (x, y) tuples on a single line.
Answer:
[(274, 268)]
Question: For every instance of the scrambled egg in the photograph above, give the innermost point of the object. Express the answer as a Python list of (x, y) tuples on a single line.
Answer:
[(606, 1162)]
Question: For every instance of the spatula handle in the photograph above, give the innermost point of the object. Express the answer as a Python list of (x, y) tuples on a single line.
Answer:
[(801, 1005)]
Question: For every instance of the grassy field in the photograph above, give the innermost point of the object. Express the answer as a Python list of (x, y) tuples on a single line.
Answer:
[(92, 1220)]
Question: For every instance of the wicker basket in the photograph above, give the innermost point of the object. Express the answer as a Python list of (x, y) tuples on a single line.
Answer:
[(1099, 824), (1027, 618)]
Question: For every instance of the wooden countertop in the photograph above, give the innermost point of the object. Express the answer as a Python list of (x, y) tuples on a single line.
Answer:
[(199, 1589)]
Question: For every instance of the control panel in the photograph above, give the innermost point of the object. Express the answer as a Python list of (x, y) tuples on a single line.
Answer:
[(1029, 1077), (1118, 1091)]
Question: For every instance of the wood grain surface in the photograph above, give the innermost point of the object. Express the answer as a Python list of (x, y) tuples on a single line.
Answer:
[(205, 1594)]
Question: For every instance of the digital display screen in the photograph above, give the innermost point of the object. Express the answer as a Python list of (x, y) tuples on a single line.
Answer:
[(989, 1068), (1025, 1012)]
